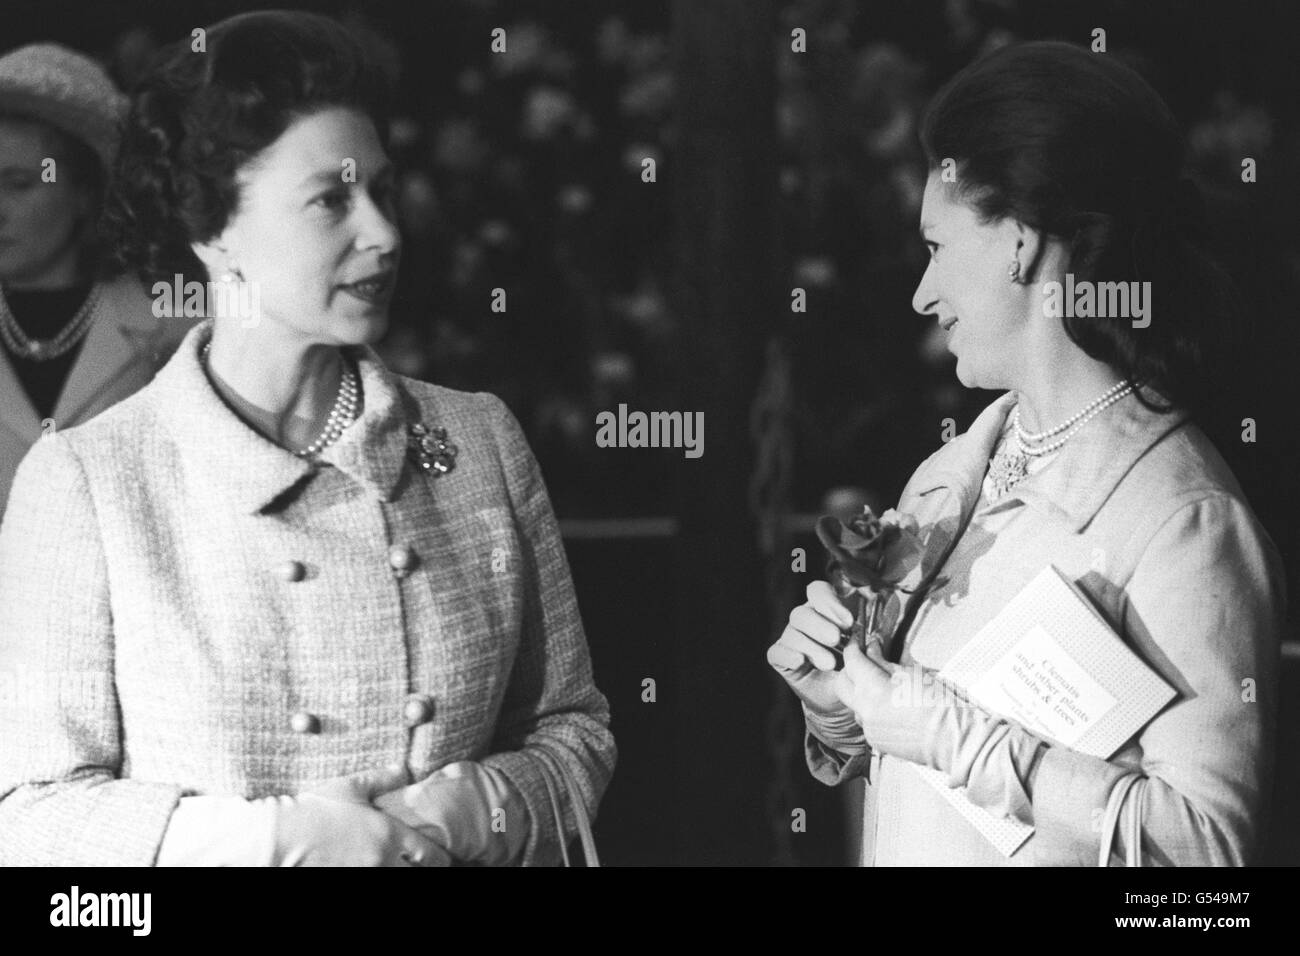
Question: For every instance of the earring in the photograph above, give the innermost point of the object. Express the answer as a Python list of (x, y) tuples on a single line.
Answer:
[(1014, 270), (231, 274)]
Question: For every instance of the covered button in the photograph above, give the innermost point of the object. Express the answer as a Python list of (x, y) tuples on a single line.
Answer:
[(304, 723), (417, 710), (401, 558), (291, 571)]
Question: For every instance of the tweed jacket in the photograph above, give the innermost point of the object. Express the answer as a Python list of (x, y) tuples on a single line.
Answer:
[(188, 609), (1144, 515), (124, 348)]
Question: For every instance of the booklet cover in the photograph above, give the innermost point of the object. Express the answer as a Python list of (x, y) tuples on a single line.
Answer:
[(1049, 662)]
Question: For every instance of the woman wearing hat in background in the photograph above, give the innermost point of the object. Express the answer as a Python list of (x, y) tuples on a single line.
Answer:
[(284, 606), (74, 339)]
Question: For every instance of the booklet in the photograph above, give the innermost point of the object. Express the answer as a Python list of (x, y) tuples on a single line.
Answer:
[(1049, 662)]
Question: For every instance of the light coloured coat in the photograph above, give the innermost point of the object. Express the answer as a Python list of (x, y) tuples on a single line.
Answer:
[(125, 347), (1142, 512), (160, 642)]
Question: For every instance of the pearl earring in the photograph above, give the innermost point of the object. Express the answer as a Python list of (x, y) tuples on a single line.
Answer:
[(231, 274), (1014, 270)]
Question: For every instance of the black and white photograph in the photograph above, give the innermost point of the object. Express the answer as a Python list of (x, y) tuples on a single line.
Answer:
[(684, 433)]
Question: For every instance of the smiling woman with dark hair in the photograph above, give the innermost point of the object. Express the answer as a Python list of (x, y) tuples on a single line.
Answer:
[(1049, 164), (284, 606)]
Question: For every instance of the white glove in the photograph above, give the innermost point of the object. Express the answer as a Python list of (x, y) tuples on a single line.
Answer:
[(333, 824), (471, 810)]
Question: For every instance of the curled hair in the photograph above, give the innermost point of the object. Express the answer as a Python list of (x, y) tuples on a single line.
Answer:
[(197, 117), (1079, 147)]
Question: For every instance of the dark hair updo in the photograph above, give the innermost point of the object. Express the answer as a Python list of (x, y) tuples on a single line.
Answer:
[(1079, 146), (198, 116)]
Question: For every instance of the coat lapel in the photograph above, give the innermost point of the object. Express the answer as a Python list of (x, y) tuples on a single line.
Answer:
[(16, 410), (1077, 483), (960, 465), (125, 333), (372, 451), (951, 483), (211, 437), (1073, 487), (122, 333)]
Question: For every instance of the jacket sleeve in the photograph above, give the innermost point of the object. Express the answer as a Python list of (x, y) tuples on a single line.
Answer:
[(1205, 605), (834, 748), (551, 702), (63, 798)]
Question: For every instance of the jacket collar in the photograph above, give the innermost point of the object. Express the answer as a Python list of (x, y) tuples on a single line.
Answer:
[(123, 331), (133, 335), (235, 463), (1085, 472)]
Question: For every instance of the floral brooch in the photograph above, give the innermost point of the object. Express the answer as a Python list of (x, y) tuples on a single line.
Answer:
[(430, 449)]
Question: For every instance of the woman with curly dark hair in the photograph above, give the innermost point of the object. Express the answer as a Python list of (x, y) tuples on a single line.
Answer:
[(1051, 170), (284, 606)]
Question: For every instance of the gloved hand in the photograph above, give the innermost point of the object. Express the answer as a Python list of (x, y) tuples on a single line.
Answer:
[(334, 824), (805, 653), (470, 809), (895, 718), (906, 713)]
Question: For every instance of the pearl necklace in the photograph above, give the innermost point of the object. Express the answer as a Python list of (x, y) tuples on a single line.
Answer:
[(343, 414), (43, 350), (1118, 390), (1009, 468)]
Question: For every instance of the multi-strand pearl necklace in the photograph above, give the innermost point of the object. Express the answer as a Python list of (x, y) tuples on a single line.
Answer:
[(43, 350), (1009, 467), (343, 414)]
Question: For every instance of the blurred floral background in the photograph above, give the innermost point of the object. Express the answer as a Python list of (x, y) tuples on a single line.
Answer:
[(521, 171)]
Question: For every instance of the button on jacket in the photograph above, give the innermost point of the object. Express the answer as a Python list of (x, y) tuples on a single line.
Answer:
[(1141, 511), (186, 609), (124, 348)]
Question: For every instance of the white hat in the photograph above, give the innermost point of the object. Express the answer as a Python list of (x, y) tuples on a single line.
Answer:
[(66, 89)]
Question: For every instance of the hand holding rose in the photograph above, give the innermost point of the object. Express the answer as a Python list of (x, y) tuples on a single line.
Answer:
[(834, 678), (807, 652)]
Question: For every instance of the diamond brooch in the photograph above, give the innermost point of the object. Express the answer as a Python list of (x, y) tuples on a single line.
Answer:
[(430, 449)]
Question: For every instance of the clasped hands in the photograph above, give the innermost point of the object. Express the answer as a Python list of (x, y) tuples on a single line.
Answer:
[(340, 822), (465, 811)]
